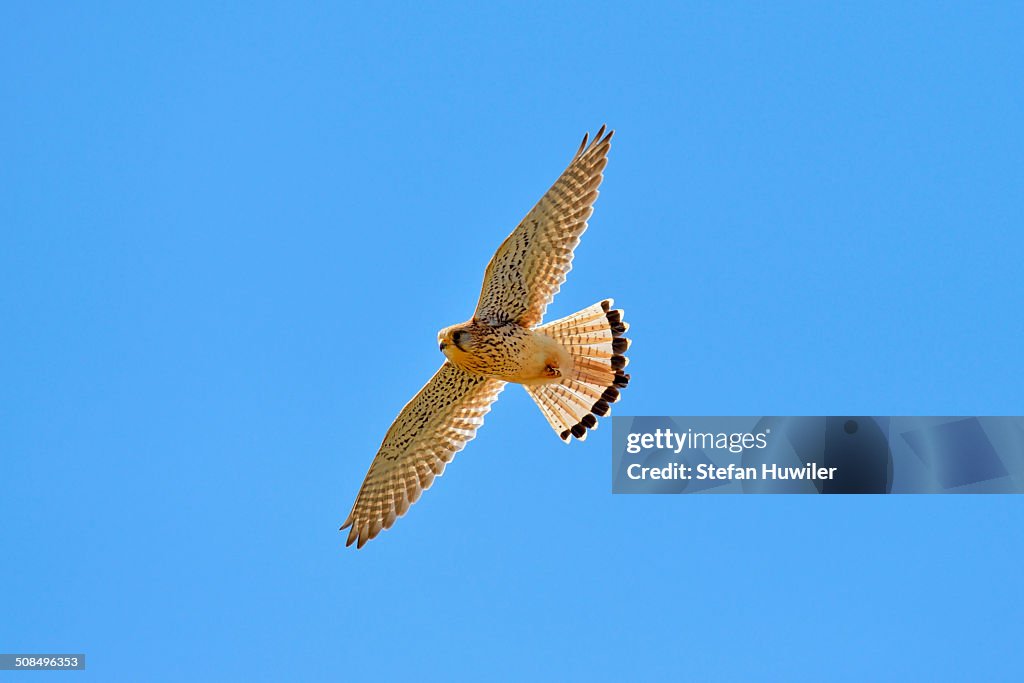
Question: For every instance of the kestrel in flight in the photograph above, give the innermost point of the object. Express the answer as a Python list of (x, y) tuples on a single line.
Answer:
[(572, 368)]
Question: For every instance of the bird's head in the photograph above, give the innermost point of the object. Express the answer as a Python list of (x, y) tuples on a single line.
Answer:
[(456, 341)]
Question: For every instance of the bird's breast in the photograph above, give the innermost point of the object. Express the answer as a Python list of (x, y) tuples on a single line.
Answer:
[(512, 353)]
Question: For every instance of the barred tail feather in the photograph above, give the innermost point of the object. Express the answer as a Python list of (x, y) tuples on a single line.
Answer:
[(594, 339)]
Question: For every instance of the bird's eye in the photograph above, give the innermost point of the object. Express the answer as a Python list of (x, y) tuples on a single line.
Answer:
[(460, 337)]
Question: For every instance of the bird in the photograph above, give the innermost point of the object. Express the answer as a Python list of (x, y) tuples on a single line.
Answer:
[(571, 367)]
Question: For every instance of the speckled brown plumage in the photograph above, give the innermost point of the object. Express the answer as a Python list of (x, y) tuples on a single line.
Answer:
[(531, 264), (434, 426), (573, 367)]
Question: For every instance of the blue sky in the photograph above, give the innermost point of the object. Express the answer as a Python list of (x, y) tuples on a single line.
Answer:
[(229, 235)]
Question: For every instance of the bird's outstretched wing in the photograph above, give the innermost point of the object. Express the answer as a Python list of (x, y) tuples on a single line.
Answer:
[(531, 264), (435, 425)]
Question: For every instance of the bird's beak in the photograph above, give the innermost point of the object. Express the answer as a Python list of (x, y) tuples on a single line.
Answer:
[(442, 346)]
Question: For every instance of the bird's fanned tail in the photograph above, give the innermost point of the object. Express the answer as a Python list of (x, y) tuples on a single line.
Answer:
[(520, 281), (594, 339)]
